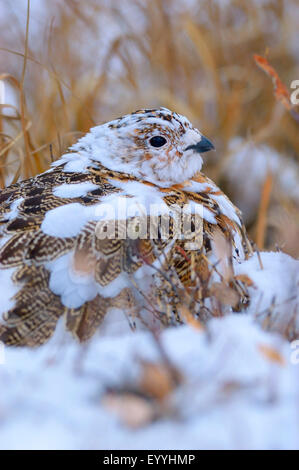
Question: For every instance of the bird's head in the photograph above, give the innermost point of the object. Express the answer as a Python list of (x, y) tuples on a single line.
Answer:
[(155, 145)]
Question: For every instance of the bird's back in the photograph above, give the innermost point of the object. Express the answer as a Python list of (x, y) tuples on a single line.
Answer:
[(125, 220), (54, 262)]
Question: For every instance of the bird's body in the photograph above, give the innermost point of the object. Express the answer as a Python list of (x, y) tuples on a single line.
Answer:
[(65, 244)]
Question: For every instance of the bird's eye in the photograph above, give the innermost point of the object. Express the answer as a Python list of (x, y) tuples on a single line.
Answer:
[(158, 141)]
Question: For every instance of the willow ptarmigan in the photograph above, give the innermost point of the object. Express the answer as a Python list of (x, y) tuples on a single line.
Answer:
[(71, 241)]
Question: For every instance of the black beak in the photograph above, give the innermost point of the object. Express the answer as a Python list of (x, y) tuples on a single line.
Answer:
[(201, 147)]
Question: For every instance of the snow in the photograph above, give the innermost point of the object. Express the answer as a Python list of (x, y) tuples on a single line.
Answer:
[(14, 209), (73, 164), (73, 288), (247, 169), (233, 395), (60, 222), (240, 386), (74, 189), (143, 200), (276, 287)]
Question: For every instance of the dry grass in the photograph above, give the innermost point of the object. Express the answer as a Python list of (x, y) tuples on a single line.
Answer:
[(82, 63)]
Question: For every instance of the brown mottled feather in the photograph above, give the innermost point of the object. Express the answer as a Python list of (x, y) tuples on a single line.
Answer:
[(33, 319)]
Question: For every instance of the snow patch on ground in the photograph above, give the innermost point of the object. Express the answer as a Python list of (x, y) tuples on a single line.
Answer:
[(275, 291), (240, 386), (247, 169)]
